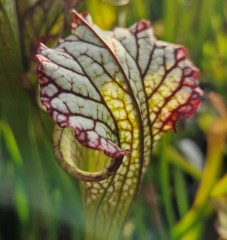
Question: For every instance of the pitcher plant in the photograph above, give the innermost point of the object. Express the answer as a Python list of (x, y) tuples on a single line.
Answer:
[(112, 95)]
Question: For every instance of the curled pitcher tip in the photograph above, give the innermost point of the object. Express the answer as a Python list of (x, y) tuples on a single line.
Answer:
[(111, 87)]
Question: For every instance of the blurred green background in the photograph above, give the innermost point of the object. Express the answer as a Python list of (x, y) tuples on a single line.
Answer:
[(184, 192)]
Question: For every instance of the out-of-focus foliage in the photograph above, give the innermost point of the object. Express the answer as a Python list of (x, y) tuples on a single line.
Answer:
[(186, 183)]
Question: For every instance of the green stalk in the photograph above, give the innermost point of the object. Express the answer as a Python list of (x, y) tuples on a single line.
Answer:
[(165, 187), (181, 191), (170, 21)]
